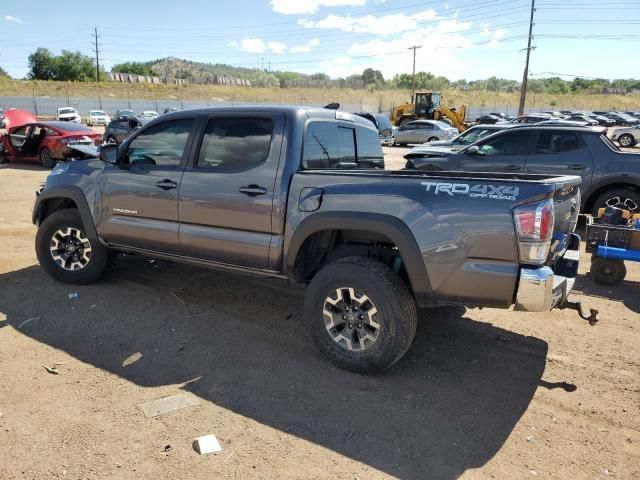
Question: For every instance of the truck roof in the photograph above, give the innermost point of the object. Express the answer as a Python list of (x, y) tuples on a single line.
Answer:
[(288, 110), (574, 128)]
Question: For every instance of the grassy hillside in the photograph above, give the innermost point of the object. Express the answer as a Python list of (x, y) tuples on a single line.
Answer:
[(384, 98)]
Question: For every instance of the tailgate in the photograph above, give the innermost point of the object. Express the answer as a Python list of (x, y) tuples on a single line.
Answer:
[(566, 200)]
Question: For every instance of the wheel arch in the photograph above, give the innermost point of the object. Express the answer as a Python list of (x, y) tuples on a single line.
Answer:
[(56, 199), (595, 191), (327, 226)]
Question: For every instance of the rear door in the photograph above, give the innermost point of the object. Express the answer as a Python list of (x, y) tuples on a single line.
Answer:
[(558, 152), (504, 153), (140, 193), (226, 195)]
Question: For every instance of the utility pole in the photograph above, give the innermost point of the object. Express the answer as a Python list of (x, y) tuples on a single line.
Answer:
[(413, 76), (523, 88), (95, 38)]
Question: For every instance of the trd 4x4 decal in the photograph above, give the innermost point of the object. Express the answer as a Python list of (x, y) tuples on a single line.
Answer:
[(493, 192)]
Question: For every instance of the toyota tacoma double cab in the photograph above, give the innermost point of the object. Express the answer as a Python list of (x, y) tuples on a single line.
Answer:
[(301, 194)]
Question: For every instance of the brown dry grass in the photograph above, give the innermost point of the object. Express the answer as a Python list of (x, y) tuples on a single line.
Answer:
[(383, 98)]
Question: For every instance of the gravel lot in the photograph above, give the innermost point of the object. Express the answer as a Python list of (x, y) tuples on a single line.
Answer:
[(481, 393)]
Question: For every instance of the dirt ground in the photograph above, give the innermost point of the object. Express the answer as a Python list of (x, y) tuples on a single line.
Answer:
[(481, 393)]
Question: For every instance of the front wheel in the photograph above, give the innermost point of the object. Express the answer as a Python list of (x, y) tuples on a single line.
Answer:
[(361, 314), (433, 139), (626, 140), (66, 253), (46, 159)]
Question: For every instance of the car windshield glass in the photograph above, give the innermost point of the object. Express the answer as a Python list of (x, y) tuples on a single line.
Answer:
[(66, 110), (473, 135), (443, 125), (383, 121), (96, 112)]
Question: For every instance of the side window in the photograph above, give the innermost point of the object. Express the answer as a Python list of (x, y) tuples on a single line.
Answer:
[(235, 142), (347, 144), (556, 142), (161, 145), (513, 143), (369, 149)]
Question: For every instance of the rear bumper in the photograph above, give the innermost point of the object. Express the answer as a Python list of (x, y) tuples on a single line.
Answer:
[(543, 288)]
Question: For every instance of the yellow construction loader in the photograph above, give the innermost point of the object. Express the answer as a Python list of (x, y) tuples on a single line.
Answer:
[(427, 106)]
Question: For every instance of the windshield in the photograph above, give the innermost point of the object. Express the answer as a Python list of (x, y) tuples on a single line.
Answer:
[(383, 121), (66, 110), (473, 135), (96, 112), (443, 125)]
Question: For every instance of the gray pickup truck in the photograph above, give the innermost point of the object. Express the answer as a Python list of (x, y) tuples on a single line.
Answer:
[(301, 194), (609, 175)]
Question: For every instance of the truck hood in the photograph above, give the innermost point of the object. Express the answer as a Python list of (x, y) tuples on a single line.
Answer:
[(87, 151), (430, 151), (16, 118)]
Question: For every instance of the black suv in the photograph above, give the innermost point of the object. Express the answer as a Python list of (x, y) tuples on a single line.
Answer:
[(120, 128)]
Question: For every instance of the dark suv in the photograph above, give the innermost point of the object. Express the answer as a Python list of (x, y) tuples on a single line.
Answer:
[(120, 128)]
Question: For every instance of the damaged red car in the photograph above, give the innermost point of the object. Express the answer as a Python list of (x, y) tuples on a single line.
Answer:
[(47, 142)]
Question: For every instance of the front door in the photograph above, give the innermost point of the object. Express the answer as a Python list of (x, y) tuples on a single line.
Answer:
[(20, 140), (140, 192), (504, 153), (226, 196), (561, 153)]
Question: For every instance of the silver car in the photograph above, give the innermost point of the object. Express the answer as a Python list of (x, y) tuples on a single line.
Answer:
[(420, 131), (626, 136)]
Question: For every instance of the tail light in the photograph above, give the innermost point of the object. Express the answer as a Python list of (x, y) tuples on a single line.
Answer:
[(534, 228)]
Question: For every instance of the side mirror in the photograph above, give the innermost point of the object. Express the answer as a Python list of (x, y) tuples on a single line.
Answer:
[(472, 150), (108, 152)]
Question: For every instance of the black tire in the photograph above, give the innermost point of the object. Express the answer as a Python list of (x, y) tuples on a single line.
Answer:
[(395, 314), (46, 159), (99, 255), (606, 271), (433, 139), (621, 193), (627, 140)]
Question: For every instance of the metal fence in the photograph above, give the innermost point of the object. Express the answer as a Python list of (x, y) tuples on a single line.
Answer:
[(47, 106)]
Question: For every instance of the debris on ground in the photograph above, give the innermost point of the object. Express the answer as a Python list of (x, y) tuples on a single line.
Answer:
[(172, 403), (27, 321), (167, 449), (51, 370), (207, 444), (73, 295), (530, 438), (133, 358)]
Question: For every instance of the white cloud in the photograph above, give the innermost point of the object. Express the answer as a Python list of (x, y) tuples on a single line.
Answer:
[(300, 7), (314, 42), (383, 25), (9, 18), (497, 35), (257, 45)]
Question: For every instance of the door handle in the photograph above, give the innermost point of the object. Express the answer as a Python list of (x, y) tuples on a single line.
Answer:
[(513, 168), (166, 184), (577, 166), (253, 190)]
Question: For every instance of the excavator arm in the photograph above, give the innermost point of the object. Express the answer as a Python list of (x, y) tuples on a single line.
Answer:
[(456, 117)]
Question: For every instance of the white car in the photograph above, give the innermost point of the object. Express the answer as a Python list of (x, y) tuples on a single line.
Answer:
[(98, 117), (68, 114), (421, 131), (627, 136), (150, 114)]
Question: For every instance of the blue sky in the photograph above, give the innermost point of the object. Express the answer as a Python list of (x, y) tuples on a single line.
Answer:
[(460, 38)]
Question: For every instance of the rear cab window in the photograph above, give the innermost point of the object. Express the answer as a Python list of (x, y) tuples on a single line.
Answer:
[(334, 145)]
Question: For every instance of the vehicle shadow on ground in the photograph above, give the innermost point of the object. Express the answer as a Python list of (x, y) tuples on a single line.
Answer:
[(23, 165), (447, 406), (626, 291)]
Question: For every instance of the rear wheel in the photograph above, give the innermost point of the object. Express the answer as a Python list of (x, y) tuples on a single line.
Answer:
[(46, 159), (626, 140), (625, 198), (66, 253), (432, 139), (361, 314), (607, 271)]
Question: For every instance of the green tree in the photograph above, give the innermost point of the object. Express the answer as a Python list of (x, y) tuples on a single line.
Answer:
[(319, 76), (74, 66), (3, 72), (373, 77), (137, 68), (41, 65)]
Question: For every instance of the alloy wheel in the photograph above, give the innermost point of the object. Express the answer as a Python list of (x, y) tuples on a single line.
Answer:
[(350, 318), (70, 249)]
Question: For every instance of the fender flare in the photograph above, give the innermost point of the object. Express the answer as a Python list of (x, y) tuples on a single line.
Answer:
[(72, 193), (391, 227)]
